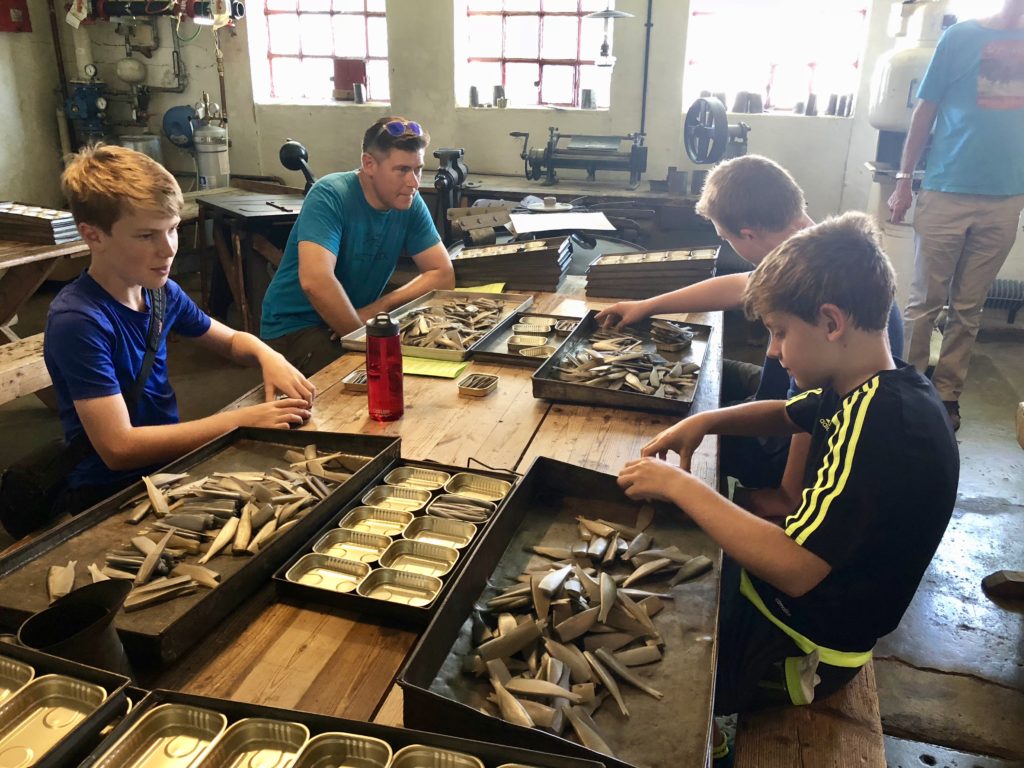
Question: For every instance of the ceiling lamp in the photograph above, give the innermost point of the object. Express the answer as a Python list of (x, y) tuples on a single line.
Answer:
[(605, 59)]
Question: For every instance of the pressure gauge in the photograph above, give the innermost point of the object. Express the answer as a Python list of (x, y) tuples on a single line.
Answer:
[(101, 103), (90, 70)]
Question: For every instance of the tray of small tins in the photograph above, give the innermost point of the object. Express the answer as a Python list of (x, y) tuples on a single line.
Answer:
[(52, 710), (525, 338), (395, 549), (169, 729), (447, 325), (198, 536), (650, 366)]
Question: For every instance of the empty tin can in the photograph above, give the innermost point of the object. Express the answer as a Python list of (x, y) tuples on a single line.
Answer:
[(13, 677), (400, 587), (518, 342), (419, 756), (478, 487), (330, 573), (378, 520), (45, 711), (168, 736), (394, 497), (437, 530), (257, 742), (417, 477), (333, 750), (347, 544), (419, 557)]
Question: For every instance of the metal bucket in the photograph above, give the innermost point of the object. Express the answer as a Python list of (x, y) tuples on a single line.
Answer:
[(80, 627), (146, 143)]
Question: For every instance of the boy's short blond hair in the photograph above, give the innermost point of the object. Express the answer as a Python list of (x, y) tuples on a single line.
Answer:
[(751, 192), (102, 183), (839, 261)]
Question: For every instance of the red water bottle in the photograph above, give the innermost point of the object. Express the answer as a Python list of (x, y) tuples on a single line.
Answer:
[(384, 368)]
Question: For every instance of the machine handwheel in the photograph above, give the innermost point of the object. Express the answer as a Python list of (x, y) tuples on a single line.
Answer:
[(706, 131)]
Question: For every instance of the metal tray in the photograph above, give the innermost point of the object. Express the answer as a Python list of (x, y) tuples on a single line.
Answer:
[(70, 750), (420, 558), (418, 478), (420, 756), (162, 632), (548, 387), (353, 545), (341, 749), (396, 498), (167, 736), (542, 510), (496, 349), (421, 528), (380, 521), (514, 302), (396, 738), (400, 588), (332, 574), (44, 713), (258, 742), (14, 676), (437, 530)]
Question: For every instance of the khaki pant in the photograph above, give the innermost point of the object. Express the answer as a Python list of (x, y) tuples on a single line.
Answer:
[(961, 242), (308, 349)]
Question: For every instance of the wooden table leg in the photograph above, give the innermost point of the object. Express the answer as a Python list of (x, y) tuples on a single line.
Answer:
[(236, 247), (232, 270), (19, 283)]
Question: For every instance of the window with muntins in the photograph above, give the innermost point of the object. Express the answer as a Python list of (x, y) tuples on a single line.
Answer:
[(302, 39), (542, 52)]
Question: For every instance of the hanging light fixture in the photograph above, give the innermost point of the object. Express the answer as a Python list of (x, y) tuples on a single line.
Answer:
[(605, 59)]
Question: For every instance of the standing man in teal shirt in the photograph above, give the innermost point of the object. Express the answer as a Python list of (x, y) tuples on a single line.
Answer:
[(345, 246), (968, 210)]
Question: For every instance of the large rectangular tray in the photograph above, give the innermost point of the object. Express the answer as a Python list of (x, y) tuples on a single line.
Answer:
[(547, 386), (162, 632), (494, 349), (493, 755), (370, 607), (87, 735), (514, 302), (542, 510)]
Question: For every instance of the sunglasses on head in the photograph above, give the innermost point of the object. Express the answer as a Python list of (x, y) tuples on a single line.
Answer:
[(402, 127)]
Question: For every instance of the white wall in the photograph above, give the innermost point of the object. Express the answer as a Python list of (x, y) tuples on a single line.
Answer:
[(826, 155), (29, 144)]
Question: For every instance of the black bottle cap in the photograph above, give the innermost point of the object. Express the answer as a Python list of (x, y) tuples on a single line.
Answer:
[(382, 325)]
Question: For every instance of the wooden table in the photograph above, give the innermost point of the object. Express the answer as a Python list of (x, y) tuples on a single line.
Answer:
[(27, 265), (343, 664)]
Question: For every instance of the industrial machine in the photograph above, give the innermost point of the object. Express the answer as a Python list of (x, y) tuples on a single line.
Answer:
[(584, 152), (451, 175), (707, 135)]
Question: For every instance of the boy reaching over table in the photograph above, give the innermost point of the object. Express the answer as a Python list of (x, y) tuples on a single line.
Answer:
[(804, 602), (120, 418), (755, 206)]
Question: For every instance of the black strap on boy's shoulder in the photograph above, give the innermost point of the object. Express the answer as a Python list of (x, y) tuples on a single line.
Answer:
[(80, 446), (157, 306)]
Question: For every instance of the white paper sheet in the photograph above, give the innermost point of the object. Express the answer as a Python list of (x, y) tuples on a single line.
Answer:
[(556, 222)]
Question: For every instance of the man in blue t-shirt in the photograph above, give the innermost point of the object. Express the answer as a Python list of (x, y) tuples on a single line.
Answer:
[(345, 246), (968, 210), (127, 209)]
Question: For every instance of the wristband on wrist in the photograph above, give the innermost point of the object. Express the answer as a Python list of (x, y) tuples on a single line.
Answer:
[(903, 175)]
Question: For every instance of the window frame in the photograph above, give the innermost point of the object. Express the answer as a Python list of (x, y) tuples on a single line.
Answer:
[(577, 64), (366, 14)]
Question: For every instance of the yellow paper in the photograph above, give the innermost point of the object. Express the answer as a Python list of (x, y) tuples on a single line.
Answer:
[(489, 288), (442, 369)]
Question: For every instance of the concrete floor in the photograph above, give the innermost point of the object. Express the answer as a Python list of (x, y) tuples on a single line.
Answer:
[(952, 675)]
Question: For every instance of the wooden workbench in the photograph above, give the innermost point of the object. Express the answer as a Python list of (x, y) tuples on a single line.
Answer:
[(341, 663)]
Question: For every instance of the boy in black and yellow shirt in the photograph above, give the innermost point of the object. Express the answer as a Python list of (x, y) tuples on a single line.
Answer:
[(803, 603)]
